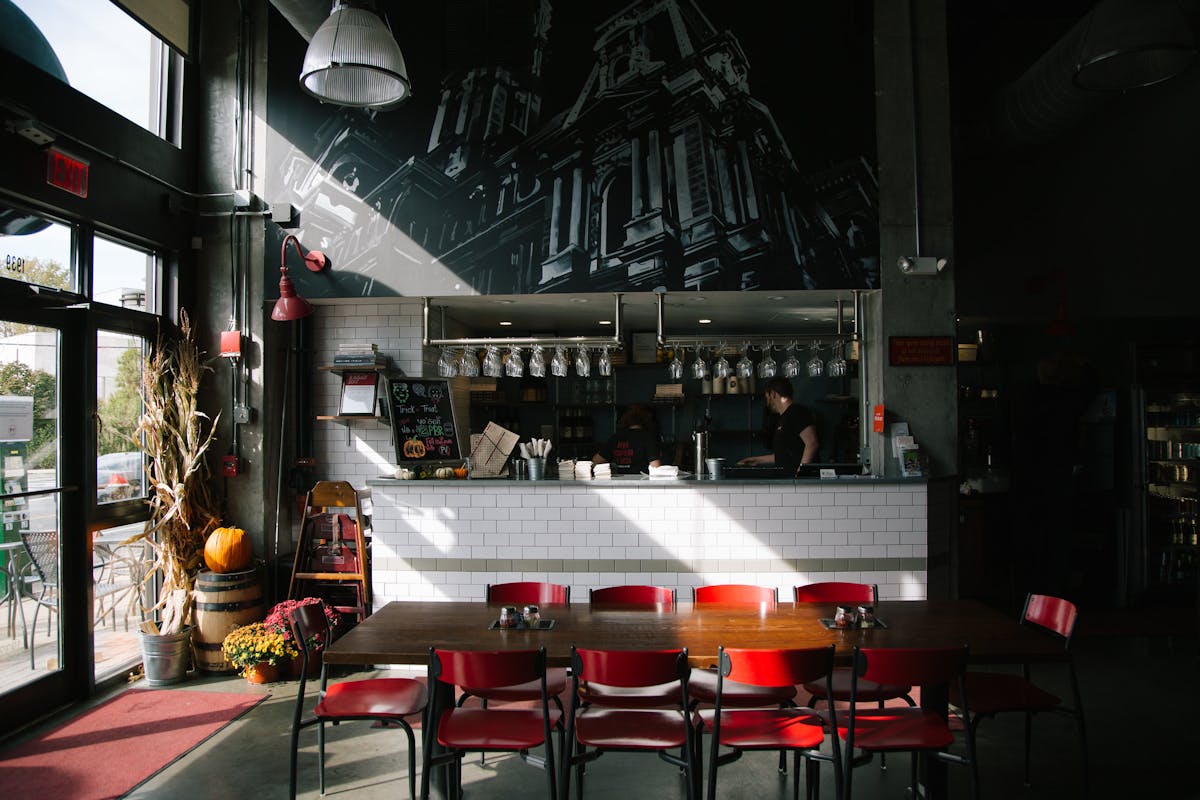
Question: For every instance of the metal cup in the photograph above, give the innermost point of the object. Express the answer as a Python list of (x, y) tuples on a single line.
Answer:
[(716, 468)]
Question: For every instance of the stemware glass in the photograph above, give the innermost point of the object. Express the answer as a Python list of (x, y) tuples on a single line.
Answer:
[(514, 366), (767, 368), (791, 365), (558, 363), (468, 363), (583, 362), (537, 362), (675, 368), (604, 363), (699, 368), (493, 367), (720, 367), (836, 367), (446, 364), (744, 366), (814, 365)]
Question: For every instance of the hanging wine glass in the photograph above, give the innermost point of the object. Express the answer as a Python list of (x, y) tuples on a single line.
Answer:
[(583, 362), (814, 365), (537, 362), (699, 368), (446, 364), (675, 368), (493, 367), (791, 365), (720, 367), (767, 368), (514, 366), (836, 367), (604, 363), (744, 366), (558, 363), (468, 363)]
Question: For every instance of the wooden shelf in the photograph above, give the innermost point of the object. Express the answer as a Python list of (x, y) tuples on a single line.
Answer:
[(348, 417), (340, 368)]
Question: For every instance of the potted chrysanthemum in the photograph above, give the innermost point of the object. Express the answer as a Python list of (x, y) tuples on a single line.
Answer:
[(259, 651)]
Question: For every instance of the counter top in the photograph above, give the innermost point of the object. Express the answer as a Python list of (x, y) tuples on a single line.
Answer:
[(641, 480)]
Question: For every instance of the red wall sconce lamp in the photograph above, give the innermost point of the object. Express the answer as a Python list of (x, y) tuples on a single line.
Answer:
[(290, 305)]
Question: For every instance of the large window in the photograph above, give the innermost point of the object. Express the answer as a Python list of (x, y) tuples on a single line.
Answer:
[(35, 249), (98, 49)]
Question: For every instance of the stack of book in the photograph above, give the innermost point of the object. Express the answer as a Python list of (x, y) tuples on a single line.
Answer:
[(358, 354)]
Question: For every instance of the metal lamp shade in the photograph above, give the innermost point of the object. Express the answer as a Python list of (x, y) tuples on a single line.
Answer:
[(353, 60), (290, 306)]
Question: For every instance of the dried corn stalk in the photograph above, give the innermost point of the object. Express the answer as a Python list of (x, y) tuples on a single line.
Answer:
[(175, 434)]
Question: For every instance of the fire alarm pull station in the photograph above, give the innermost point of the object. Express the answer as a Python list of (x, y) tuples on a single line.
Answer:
[(231, 344), (231, 466)]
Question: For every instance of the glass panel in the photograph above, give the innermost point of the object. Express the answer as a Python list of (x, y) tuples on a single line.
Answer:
[(30, 542), (101, 51), (119, 473), (35, 250), (118, 567), (123, 276)]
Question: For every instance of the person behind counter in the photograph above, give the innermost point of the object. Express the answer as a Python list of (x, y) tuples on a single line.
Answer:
[(795, 440), (635, 446)]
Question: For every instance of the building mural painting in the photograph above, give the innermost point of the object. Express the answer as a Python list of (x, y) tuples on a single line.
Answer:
[(662, 165)]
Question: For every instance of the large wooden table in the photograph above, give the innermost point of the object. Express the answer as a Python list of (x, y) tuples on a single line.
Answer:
[(403, 632)]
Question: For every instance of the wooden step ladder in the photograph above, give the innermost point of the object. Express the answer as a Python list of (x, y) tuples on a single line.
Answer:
[(332, 558)]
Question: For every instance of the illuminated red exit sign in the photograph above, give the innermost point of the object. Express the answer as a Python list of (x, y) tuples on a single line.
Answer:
[(66, 172)]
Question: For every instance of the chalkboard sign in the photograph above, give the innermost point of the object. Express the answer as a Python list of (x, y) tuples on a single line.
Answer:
[(422, 420)]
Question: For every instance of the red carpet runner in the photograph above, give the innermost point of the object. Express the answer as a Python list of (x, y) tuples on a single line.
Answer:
[(107, 751)]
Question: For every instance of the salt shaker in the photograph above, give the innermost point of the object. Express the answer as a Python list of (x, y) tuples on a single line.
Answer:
[(508, 617), (532, 616)]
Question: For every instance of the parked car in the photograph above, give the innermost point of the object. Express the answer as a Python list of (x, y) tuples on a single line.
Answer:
[(118, 476)]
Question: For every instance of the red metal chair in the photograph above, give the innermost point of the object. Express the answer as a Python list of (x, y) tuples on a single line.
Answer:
[(387, 700), (457, 731), (917, 730), (628, 728), (739, 593), (994, 693), (800, 730), (643, 598), (520, 594)]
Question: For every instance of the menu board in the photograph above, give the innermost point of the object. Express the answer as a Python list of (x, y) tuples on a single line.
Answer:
[(422, 420)]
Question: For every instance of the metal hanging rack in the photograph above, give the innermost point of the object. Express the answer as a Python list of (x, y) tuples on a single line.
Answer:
[(613, 341)]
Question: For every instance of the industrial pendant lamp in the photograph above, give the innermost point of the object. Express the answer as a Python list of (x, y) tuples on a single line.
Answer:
[(353, 60), (290, 305), (1129, 44)]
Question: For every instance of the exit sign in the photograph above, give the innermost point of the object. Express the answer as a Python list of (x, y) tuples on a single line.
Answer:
[(66, 172)]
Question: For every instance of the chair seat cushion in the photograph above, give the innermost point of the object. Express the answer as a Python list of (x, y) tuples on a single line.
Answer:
[(556, 683), (768, 728), (492, 729), (702, 686), (662, 694), (995, 692), (898, 729), (868, 691), (624, 729), (372, 699)]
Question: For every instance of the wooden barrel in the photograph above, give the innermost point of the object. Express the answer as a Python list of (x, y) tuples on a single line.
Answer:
[(222, 603)]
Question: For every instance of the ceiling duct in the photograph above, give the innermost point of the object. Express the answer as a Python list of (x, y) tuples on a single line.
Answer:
[(303, 15)]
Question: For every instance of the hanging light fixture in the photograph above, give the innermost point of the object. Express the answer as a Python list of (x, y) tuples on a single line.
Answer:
[(1129, 44), (290, 305), (353, 60)]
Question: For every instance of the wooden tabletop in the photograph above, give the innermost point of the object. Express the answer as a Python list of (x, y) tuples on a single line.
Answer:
[(402, 632)]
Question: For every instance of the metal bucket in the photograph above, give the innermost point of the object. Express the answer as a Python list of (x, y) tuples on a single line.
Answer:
[(166, 658)]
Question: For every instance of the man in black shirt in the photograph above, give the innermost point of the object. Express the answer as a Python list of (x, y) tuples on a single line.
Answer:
[(795, 440), (635, 446)]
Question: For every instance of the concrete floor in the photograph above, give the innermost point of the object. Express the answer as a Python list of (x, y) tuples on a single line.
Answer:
[(1140, 695)]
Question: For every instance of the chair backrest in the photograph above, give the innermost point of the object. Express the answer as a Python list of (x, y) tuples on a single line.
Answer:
[(630, 668), (1052, 613), (736, 593), (654, 596), (42, 548), (543, 594), (310, 626), (927, 666), (330, 494), (776, 667), (486, 669), (836, 592)]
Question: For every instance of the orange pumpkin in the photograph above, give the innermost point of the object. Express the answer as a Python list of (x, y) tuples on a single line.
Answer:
[(414, 448), (227, 550)]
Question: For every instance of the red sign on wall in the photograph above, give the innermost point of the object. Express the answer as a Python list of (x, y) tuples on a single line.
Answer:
[(921, 351), (67, 172)]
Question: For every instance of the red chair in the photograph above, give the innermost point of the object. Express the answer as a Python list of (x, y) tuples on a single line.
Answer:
[(703, 684), (800, 730), (641, 596), (736, 593), (644, 598), (387, 700), (520, 594), (457, 731), (994, 693), (627, 728), (914, 729)]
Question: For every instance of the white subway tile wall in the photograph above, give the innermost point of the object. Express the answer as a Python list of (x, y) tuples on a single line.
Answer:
[(447, 541)]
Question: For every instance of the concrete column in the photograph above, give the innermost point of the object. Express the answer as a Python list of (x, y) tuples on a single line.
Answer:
[(555, 214), (576, 205)]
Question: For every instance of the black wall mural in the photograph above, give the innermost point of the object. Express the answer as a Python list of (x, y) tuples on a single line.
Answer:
[(579, 147)]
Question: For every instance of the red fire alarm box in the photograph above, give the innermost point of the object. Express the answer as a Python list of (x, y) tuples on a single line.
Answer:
[(877, 420), (231, 344), (231, 466)]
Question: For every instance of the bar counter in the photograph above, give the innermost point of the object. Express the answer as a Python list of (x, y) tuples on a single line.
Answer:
[(449, 539)]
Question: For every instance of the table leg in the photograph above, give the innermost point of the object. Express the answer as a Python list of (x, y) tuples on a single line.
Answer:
[(441, 696)]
